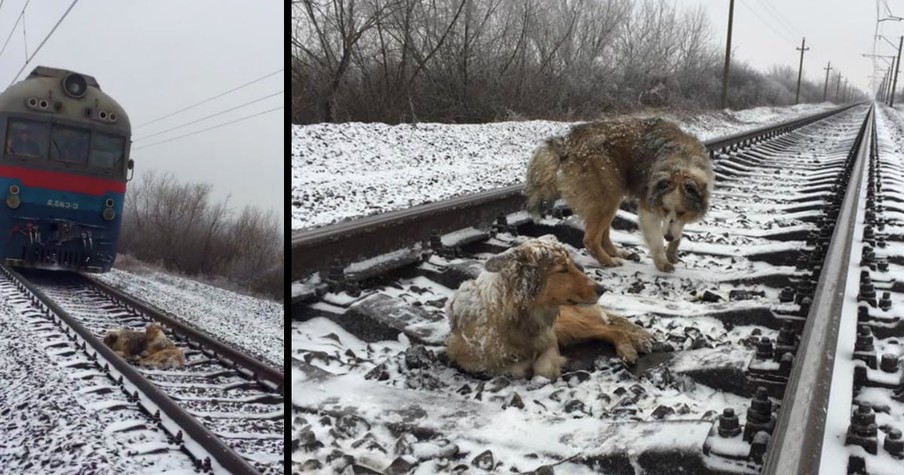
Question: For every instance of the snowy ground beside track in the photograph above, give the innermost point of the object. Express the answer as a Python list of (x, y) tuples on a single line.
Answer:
[(351, 170)]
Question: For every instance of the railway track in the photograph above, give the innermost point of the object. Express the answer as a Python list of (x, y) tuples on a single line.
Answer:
[(224, 410), (778, 347)]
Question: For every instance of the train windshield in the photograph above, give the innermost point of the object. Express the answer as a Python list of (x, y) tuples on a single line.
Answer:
[(107, 151), (69, 145), (26, 138)]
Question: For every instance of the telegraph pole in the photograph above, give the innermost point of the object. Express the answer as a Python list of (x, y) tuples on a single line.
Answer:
[(838, 85), (727, 57), (825, 88), (894, 84), (800, 70)]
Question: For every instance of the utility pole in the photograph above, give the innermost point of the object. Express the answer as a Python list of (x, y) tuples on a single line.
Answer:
[(838, 84), (800, 70), (727, 57), (894, 84), (825, 88)]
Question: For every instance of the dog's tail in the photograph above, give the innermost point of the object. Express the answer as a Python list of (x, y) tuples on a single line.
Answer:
[(541, 189)]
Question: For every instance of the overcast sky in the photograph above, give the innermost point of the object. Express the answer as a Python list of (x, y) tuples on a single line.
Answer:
[(156, 57), (767, 32)]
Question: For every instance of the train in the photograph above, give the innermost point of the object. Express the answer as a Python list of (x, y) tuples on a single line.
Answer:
[(63, 172)]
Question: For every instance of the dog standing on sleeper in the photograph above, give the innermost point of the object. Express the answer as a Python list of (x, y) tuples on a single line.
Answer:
[(599, 164)]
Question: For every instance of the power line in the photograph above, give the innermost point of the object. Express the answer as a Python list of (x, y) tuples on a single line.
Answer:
[(781, 20), (209, 116), (45, 39), (210, 99), (209, 128), (768, 23), (14, 27)]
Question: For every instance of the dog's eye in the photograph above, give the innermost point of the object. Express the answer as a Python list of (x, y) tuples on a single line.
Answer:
[(563, 270), (681, 213)]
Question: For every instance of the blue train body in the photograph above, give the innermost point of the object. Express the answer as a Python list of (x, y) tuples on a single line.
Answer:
[(63, 172)]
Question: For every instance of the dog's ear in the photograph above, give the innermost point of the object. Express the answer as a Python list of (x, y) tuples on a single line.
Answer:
[(660, 185), (695, 196), (500, 261)]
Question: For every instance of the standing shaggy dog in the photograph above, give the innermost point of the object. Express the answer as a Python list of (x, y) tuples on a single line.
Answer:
[(530, 300), (599, 164)]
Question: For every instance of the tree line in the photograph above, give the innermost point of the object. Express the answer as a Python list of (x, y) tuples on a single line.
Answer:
[(179, 227), (483, 60)]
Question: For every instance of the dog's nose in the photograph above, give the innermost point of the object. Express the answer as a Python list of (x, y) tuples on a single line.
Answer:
[(600, 290), (669, 237)]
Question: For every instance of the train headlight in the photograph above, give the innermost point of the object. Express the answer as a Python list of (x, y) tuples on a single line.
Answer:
[(109, 214), (14, 189), (75, 85), (109, 203), (13, 201)]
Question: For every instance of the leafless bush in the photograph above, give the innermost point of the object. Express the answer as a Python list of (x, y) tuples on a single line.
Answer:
[(178, 227), (481, 60)]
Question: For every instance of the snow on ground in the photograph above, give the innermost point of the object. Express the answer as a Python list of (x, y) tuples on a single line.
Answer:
[(351, 170), (251, 324), (56, 416)]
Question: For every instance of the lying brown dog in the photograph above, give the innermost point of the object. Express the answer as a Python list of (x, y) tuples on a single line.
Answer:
[(530, 300), (162, 353)]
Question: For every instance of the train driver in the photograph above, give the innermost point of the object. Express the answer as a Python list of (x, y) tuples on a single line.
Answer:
[(23, 144)]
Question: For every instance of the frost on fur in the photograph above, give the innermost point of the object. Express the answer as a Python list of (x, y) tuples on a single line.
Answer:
[(541, 188)]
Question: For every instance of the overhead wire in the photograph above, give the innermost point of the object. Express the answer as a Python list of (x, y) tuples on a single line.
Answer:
[(28, 60), (209, 116), (209, 128), (209, 99)]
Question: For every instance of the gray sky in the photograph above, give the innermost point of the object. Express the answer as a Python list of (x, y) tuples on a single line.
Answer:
[(156, 57), (767, 32)]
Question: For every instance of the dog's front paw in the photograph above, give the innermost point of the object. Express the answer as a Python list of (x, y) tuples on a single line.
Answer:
[(642, 341), (665, 266), (626, 352), (672, 257)]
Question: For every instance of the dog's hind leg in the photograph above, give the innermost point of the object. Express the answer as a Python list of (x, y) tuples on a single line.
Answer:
[(609, 246), (651, 226), (596, 229)]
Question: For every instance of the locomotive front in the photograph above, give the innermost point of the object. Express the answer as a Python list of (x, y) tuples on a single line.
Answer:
[(63, 172)]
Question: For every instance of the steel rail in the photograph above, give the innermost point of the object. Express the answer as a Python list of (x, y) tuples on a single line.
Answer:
[(193, 430), (316, 249), (261, 371), (796, 446)]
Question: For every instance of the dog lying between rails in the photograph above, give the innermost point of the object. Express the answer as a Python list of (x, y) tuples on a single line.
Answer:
[(597, 165), (151, 347), (528, 302)]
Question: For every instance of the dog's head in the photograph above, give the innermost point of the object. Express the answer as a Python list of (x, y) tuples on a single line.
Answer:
[(678, 197), (110, 338), (542, 272), (154, 332)]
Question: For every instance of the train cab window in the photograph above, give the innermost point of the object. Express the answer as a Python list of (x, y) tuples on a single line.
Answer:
[(25, 138), (69, 145), (107, 151)]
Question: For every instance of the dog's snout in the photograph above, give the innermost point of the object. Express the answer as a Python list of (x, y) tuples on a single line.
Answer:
[(600, 290), (669, 237)]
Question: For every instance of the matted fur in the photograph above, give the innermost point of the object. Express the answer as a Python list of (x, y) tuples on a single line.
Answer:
[(599, 164), (168, 358), (505, 320), (126, 343)]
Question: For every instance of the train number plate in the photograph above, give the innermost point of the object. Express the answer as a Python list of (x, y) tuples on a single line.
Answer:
[(62, 204)]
